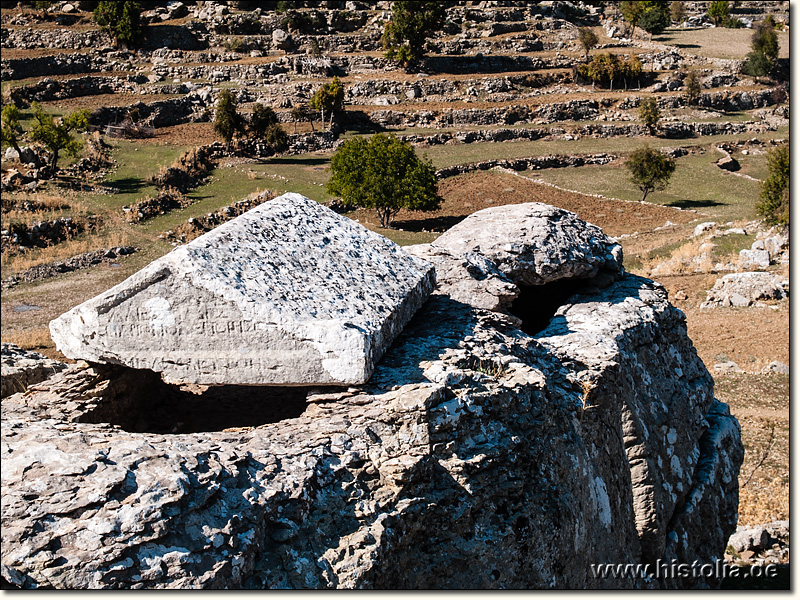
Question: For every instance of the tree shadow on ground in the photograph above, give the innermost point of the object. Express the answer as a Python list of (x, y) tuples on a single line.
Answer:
[(430, 224), (129, 185), (295, 160), (694, 203)]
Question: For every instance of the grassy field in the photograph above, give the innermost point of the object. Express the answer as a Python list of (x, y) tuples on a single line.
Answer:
[(697, 184), (718, 42)]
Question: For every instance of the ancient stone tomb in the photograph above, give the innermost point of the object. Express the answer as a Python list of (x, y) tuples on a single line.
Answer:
[(289, 293)]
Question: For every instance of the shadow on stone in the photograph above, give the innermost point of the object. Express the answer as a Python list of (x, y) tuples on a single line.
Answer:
[(143, 403), (537, 304)]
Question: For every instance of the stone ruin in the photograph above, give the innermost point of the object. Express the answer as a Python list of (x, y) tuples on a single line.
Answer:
[(290, 293), (541, 412)]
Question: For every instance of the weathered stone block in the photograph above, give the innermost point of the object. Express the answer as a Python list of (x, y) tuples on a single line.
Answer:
[(534, 243), (289, 293)]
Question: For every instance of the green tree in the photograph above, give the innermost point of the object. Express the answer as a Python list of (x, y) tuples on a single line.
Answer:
[(121, 20), (58, 135), (588, 39), (719, 12), (227, 121), (606, 68), (650, 170), (693, 88), (328, 99), (654, 20), (649, 113), (412, 22), (677, 11), (632, 12), (11, 129), (763, 56), (773, 206), (261, 119), (300, 113), (275, 137), (383, 173)]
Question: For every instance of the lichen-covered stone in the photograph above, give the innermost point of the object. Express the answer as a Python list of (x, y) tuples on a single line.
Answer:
[(289, 293), (744, 289), (534, 243), (477, 457), (22, 368)]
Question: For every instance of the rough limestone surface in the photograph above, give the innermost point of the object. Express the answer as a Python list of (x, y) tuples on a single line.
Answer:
[(744, 289), (534, 243), (477, 456), (22, 368), (289, 293), (471, 278)]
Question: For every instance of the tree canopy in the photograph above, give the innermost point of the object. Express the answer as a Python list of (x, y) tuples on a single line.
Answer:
[(718, 11), (384, 173), (649, 113), (655, 19), (693, 88), (121, 20), (58, 135), (677, 11), (261, 119), (763, 56), (412, 22), (773, 205), (587, 38), (328, 99), (10, 126), (227, 121), (606, 69), (650, 170)]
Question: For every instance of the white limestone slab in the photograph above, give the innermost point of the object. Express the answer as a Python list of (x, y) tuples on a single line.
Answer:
[(289, 293)]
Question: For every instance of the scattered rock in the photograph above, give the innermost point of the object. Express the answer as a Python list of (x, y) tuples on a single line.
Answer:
[(727, 367), (776, 367), (752, 539), (744, 289), (728, 163), (703, 227), (23, 368)]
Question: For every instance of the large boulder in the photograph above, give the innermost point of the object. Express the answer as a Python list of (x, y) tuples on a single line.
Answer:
[(476, 456), (535, 244), (289, 293)]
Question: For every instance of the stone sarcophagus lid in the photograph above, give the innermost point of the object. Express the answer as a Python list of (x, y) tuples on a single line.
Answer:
[(289, 293)]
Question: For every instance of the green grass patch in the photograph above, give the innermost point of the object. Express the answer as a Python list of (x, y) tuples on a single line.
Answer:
[(697, 184), (136, 164), (731, 244), (754, 165), (446, 156)]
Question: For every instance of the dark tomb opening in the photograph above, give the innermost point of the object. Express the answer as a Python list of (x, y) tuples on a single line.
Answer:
[(536, 304), (140, 402)]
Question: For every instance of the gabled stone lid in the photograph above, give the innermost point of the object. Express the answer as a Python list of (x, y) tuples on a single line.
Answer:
[(289, 293)]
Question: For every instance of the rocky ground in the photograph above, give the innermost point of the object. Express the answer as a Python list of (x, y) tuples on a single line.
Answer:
[(498, 89)]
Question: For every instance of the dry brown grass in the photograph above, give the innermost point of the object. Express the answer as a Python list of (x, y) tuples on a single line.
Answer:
[(29, 339), (761, 404), (114, 236)]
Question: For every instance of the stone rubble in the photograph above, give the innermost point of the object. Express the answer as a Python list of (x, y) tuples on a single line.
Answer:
[(23, 368), (745, 289)]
